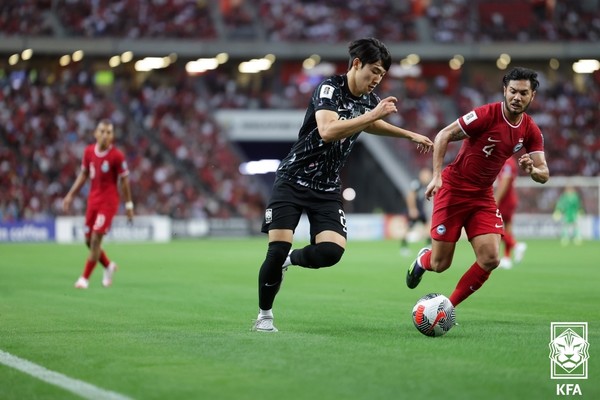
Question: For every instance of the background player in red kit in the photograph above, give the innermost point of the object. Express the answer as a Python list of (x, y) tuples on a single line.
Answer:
[(507, 201), (464, 189), (105, 165)]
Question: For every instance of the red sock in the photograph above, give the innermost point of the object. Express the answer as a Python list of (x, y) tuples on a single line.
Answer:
[(426, 261), (103, 259), (471, 281), (509, 243), (89, 268)]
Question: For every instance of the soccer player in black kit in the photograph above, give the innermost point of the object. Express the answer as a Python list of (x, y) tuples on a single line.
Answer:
[(308, 179)]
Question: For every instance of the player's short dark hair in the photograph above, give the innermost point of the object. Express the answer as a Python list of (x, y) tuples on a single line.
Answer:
[(521, 74), (369, 51)]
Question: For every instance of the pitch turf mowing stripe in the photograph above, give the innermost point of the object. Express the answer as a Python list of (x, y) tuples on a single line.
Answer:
[(80, 388)]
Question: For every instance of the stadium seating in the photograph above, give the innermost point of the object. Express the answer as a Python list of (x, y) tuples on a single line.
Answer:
[(182, 165), (46, 123), (332, 21)]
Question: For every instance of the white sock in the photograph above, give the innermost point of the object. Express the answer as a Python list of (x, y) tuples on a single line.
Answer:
[(265, 313)]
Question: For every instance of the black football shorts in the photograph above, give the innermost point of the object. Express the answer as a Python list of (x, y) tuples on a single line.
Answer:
[(324, 210)]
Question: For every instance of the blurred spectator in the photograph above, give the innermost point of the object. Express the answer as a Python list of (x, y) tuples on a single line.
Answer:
[(332, 21), (336, 21), (25, 17), (180, 164), (136, 19), (183, 165)]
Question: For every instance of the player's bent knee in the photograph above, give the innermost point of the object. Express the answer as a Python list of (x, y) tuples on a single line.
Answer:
[(489, 263), (440, 265), (278, 251), (328, 254), (492, 264)]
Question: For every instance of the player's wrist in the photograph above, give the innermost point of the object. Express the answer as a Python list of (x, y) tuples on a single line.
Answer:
[(129, 205)]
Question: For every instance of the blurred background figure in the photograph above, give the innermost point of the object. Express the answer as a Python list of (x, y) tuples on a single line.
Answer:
[(507, 201), (567, 211), (106, 168), (419, 212)]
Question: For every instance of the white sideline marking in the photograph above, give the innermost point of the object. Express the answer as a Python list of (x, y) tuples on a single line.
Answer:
[(80, 388)]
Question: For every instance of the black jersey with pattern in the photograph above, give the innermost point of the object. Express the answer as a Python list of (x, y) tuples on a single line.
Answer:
[(311, 162)]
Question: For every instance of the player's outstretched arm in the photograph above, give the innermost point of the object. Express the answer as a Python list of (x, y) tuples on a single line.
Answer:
[(332, 128), (383, 128)]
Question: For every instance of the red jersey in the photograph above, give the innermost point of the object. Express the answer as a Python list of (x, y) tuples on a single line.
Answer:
[(509, 171), (491, 141), (105, 168)]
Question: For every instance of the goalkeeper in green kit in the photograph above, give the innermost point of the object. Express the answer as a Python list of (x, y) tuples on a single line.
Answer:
[(567, 211)]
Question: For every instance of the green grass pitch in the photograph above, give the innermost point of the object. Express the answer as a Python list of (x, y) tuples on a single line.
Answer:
[(176, 324)]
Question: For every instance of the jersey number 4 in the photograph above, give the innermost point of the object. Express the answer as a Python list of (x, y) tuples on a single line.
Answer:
[(488, 149)]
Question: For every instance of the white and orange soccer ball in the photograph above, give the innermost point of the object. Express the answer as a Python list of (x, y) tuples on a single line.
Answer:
[(433, 315)]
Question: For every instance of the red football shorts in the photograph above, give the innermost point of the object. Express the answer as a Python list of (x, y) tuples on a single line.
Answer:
[(453, 210), (98, 219)]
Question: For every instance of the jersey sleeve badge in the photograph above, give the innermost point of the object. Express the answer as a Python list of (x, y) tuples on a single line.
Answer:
[(470, 117), (326, 91)]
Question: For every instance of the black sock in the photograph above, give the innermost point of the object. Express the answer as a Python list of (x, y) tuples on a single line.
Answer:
[(269, 276)]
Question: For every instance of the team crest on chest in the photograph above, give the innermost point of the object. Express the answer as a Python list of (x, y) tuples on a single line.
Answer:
[(518, 146), (105, 167)]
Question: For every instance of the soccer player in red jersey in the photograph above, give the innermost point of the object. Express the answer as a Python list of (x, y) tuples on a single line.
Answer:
[(104, 165), (507, 200), (463, 190)]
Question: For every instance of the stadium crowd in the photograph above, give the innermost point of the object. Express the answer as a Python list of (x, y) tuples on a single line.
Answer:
[(568, 114), (173, 144), (181, 164), (331, 21)]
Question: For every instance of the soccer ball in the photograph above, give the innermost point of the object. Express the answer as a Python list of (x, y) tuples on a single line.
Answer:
[(433, 315)]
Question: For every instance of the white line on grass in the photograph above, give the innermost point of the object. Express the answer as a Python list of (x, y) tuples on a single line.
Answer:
[(80, 388)]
